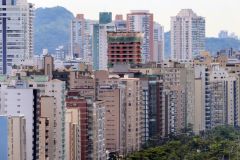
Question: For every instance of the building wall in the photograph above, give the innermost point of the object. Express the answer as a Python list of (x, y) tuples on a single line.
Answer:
[(20, 101), (13, 138), (121, 50), (44, 148), (100, 40), (84, 84), (96, 46), (48, 112), (158, 35), (111, 96), (21, 47), (198, 124), (4, 137), (77, 36), (187, 35), (48, 66), (99, 148), (103, 45), (57, 89), (73, 126), (142, 21), (133, 114), (77, 105)]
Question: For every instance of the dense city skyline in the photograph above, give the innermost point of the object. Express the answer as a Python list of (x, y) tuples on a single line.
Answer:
[(217, 13), (108, 91)]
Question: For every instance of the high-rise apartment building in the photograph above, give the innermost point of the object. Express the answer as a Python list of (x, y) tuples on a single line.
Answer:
[(105, 17), (16, 26), (4, 137), (100, 30), (88, 42), (99, 148), (78, 125), (124, 48), (85, 84), (223, 34), (224, 97), (81, 38), (175, 88), (13, 138), (57, 89), (20, 100), (156, 110), (187, 35), (73, 133), (133, 113), (112, 94), (158, 35), (50, 112), (142, 21), (48, 128), (121, 25), (202, 107), (218, 103), (103, 44), (77, 36), (44, 150)]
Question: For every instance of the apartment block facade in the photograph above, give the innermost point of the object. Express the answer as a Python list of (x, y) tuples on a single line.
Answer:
[(16, 26)]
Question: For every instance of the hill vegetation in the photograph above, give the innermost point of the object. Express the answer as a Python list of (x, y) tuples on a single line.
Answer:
[(52, 28), (220, 143)]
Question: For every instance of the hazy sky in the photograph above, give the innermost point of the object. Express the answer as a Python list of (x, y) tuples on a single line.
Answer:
[(219, 14)]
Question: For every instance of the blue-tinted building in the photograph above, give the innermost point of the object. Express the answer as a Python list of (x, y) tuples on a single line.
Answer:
[(3, 138), (105, 17)]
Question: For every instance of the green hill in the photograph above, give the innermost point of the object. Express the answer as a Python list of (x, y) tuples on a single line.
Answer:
[(52, 28)]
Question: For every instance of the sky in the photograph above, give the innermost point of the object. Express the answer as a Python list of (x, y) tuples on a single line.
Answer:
[(219, 14)]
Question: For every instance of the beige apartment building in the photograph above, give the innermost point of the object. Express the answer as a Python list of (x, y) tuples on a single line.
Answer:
[(44, 140), (132, 114), (48, 128), (111, 92), (72, 132), (85, 84), (16, 138)]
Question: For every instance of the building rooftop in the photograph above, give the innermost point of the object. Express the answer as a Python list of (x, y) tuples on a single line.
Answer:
[(121, 37), (187, 13)]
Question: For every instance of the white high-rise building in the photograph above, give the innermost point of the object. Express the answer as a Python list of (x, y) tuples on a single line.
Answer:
[(142, 21), (158, 36), (187, 35), (16, 33), (103, 44), (20, 100), (223, 34), (77, 36), (81, 38)]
